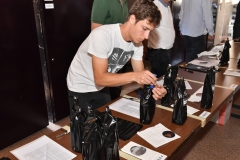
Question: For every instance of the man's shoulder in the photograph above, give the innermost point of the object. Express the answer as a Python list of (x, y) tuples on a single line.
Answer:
[(105, 31), (107, 27)]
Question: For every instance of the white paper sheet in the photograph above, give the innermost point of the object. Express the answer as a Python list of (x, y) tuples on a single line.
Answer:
[(204, 64), (43, 148), (126, 106), (204, 114), (217, 48), (153, 135), (190, 110), (232, 72), (188, 86), (195, 97), (208, 53), (148, 153)]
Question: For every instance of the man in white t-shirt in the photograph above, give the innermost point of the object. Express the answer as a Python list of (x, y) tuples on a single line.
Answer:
[(106, 50), (161, 39)]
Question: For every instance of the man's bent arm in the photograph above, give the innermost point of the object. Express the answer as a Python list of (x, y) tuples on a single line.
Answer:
[(106, 79), (137, 65), (207, 16)]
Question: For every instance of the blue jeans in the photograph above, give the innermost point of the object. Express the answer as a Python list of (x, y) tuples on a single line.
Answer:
[(97, 99), (193, 46), (159, 59)]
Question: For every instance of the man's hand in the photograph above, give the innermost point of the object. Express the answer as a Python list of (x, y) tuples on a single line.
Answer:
[(145, 77), (158, 92), (211, 37)]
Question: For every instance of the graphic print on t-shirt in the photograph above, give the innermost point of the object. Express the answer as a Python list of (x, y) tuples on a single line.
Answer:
[(118, 59)]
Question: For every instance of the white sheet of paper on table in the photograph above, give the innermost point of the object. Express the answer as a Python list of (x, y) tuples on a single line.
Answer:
[(43, 148), (127, 107), (148, 155), (153, 135), (188, 86), (232, 72), (204, 114), (208, 53), (208, 64), (194, 97), (217, 48), (190, 110)]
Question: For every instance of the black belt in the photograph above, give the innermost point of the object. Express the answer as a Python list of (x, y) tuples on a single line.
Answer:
[(158, 49)]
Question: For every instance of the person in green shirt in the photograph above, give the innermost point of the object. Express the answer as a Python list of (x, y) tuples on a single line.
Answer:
[(108, 12)]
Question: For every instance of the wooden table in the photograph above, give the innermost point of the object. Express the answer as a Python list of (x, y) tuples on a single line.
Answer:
[(221, 80), (232, 63), (190, 127), (234, 51)]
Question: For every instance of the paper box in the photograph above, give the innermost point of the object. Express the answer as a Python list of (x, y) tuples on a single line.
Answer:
[(223, 115)]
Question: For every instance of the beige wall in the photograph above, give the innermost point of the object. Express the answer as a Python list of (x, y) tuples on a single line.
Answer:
[(223, 19)]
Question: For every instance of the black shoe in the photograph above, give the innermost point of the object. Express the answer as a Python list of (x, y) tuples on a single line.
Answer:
[(238, 62)]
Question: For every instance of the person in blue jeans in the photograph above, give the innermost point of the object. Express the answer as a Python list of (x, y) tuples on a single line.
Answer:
[(196, 21)]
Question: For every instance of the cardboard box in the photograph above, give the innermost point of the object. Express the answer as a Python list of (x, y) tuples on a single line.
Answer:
[(223, 115)]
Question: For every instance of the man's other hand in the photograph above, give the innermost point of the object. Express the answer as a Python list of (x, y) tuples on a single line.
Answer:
[(158, 92), (211, 37)]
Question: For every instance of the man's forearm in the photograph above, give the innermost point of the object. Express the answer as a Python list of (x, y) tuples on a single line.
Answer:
[(113, 79)]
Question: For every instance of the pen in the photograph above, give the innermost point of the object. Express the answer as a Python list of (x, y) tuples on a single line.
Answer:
[(188, 70), (62, 134), (133, 99)]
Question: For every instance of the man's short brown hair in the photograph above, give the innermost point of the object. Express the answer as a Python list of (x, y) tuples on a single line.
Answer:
[(145, 9)]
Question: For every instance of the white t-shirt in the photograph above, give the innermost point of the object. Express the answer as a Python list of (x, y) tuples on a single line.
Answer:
[(164, 35), (104, 42)]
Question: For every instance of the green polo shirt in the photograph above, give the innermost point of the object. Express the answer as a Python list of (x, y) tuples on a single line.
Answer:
[(109, 11)]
